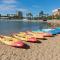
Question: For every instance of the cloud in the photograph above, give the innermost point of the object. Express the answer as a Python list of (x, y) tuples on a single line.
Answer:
[(12, 7), (22, 9), (9, 1), (7, 7)]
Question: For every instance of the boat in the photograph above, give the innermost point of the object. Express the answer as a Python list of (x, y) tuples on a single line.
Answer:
[(11, 41), (36, 35), (44, 33), (47, 30), (25, 38), (53, 31), (31, 34)]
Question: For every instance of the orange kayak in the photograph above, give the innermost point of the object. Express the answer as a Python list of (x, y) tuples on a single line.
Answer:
[(36, 35), (11, 41), (46, 34), (40, 34)]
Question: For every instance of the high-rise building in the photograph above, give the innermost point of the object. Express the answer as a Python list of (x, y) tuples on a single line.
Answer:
[(19, 14)]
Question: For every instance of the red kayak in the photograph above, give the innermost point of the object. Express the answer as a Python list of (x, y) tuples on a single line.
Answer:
[(11, 41)]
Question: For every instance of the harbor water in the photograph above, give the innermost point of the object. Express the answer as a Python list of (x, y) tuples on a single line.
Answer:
[(7, 27)]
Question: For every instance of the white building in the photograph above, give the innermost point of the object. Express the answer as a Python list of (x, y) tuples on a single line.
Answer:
[(56, 12)]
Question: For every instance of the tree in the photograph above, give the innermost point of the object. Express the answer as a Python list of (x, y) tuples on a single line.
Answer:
[(49, 17), (58, 17), (41, 14), (29, 16), (0, 16)]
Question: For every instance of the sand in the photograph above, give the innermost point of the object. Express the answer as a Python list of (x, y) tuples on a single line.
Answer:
[(44, 50)]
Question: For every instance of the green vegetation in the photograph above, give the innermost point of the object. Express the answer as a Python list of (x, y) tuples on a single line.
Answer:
[(29, 16), (40, 16)]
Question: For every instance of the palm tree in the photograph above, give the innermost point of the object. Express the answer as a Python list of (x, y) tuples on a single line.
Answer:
[(41, 14), (0, 15), (29, 16)]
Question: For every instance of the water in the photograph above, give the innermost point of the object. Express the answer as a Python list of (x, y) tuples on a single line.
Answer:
[(7, 27)]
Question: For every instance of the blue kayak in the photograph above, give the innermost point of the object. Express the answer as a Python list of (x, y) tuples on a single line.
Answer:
[(47, 30), (56, 31), (43, 30), (51, 31), (37, 31)]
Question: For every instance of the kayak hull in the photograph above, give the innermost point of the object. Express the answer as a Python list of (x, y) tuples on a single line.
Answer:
[(11, 41)]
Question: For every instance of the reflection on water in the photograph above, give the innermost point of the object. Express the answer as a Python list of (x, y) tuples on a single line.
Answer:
[(7, 27)]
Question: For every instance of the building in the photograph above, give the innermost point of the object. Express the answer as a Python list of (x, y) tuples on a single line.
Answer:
[(56, 13), (19, 14)]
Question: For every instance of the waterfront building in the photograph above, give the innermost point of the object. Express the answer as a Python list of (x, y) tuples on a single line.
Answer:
[(19, 14), (56, 13)]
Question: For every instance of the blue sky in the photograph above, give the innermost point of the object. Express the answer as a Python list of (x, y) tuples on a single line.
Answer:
[(34, 6)]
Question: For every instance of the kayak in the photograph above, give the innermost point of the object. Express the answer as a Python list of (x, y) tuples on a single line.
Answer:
[(47, 30), (11, 41), (36, 35), (25, 38), (56, 31), (53, 31), (43, 30), (43, 33), (31, 34), (37, 31)]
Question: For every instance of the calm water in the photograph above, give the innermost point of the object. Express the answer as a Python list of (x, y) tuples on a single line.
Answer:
[(7, 27)]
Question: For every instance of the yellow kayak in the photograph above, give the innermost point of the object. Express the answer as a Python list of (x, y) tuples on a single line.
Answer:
[(36, 35), (11, 41), (25, 38)]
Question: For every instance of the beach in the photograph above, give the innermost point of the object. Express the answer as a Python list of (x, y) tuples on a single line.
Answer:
[(29, 30), (48, 49), (44, 50)]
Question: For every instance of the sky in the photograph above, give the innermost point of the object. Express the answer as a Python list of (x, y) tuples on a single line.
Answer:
[(34, 6)]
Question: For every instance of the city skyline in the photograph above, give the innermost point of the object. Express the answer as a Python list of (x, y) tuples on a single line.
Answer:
[(34, 6)]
